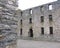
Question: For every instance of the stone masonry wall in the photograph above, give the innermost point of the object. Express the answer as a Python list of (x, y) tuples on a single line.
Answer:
[(36, 25), (8, 22)]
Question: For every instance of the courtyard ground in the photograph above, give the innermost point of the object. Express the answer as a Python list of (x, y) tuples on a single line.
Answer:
[(36, 44)]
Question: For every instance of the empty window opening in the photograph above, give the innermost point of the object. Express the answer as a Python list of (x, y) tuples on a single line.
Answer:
[(30, 33), (42, 30), (41, 8), (42, 18), (50, 18), (21, 21), (51, 30), (21, 31), (50, 7), (21, 13), (30, 11), (30, 20)]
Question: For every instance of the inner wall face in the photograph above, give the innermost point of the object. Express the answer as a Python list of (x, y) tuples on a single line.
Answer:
[(44, 21)]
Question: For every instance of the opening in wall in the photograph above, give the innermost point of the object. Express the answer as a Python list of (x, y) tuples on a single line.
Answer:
[(51, 30), (31, 11), (42, 30), (30, 20), (30, 33), (21, 21), (50, 7), (50, 18), (21, 13), (41, 9), (42, 18), (21, 31)]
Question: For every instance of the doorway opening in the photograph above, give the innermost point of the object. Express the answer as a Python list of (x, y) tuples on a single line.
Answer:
[(30, 32)]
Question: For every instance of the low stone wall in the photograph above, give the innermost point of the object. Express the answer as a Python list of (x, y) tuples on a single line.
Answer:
[(49, 38)]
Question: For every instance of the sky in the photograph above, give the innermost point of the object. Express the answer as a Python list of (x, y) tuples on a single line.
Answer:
[(25, 4)]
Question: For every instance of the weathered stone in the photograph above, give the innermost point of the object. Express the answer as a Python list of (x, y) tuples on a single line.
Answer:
[(8, 22), (36, 25)]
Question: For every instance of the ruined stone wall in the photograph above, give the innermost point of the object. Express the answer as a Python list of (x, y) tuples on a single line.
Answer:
[(8, 22), (36, 25)]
